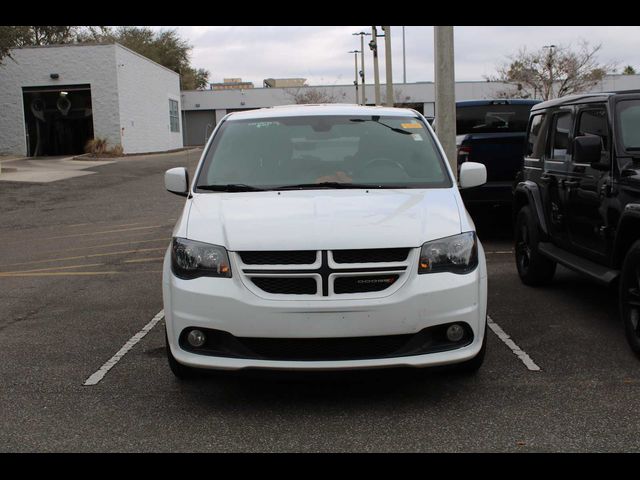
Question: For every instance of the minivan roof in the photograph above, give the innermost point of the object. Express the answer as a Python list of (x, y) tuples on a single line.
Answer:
[(320, 109)]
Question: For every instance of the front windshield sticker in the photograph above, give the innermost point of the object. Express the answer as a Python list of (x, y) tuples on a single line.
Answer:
[(410, 125), (417, 137)]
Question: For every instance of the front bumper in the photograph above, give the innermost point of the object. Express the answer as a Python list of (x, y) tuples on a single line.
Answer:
[(423, 301)]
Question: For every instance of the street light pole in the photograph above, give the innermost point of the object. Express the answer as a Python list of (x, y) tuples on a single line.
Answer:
[(355, 82), (364, 95), (387, 55), (373, 45)]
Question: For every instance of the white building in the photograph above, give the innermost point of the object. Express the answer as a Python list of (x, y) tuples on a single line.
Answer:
[(54, 99), (202, 110)]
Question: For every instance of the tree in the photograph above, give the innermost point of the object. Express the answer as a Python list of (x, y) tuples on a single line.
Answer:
[(192, 79), (629, 70), (309, 95), (22, 36), (552, 71), (164, 47)]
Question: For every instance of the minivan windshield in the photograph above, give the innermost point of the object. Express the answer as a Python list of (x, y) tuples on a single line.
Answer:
[(629, 122), (494, 118), (309, 152)]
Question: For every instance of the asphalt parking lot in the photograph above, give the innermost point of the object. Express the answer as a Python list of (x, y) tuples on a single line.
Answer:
[(80, 276)]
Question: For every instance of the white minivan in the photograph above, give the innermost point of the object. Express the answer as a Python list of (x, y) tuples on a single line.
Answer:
[(324, 237)]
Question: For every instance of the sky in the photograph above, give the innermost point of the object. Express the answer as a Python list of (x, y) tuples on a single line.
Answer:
[(320, 54)]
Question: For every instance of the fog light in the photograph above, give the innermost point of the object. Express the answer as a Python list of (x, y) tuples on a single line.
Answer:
[(196, 338), (455, 333)]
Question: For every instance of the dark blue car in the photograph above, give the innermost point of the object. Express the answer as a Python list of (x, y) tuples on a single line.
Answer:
[(492, 132)]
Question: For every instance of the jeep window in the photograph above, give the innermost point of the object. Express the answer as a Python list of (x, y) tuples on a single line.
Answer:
[(536, 137), (560, 136), (336, 151), (594, 122), (492, 119), (628, 112)]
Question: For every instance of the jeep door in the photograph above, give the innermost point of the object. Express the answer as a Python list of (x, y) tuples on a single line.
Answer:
[(588, 188), (555, 170)]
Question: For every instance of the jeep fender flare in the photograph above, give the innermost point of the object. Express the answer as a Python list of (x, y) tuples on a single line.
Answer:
[(528, 193), (627, 233)]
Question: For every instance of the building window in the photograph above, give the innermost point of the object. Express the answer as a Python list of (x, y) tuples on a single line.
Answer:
[(174, 121)]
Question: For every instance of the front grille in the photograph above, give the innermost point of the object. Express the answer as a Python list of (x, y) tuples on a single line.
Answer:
[(358, 284), (372, 255), (287, 285), (295, 257), (429, 340)]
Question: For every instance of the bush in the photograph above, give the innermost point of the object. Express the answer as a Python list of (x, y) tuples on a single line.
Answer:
[(116, 151), (96, 146)]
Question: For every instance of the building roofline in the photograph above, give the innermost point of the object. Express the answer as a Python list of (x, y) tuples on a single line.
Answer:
[(95, 44)]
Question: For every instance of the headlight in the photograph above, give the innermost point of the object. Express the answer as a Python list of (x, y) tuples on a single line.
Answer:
[(457, 254), (190, 259)]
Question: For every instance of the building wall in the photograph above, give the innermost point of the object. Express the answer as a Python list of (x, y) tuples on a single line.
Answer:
[(31, 67), (144, 90), (422, 92)]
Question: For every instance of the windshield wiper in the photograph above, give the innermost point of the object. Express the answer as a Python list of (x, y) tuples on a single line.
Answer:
[(231, 187), (311, 186), (377, 120)]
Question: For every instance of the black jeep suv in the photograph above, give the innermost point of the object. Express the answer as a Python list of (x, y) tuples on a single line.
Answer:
[(579, 201)]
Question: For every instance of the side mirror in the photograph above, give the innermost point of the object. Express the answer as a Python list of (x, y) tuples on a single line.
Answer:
[(176, 180), (587, 149), (472, 174)]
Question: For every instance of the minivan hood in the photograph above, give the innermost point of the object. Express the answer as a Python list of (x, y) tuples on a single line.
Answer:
[(323, 219)]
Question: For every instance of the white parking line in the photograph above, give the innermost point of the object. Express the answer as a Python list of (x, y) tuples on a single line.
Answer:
[(102, 371), (521, 354)]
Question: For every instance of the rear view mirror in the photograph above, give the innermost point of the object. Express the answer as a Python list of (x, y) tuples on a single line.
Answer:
[(472, 174), (176, 180), (587, 149)]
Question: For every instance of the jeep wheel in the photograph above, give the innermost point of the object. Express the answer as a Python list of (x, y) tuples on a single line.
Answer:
[(533, 267), (630, 297)]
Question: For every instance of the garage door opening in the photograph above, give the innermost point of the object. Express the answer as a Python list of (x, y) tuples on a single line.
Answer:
[(58, 120)]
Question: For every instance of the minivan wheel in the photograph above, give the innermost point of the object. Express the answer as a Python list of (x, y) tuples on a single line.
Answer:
[(630, 297), (179, 370), (533, 268)]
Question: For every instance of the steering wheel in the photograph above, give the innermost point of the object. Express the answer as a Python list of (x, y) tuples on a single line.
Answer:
[(383, 161)]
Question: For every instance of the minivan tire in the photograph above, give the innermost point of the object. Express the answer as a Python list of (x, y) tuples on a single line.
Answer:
[(469, 367), (179, 370), (534, 268)]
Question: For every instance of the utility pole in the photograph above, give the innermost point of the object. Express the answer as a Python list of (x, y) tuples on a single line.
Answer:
[(364, 95), (404, 59), (445, 93), (355, 82), (387, 54), (550, 65), (373, 45)]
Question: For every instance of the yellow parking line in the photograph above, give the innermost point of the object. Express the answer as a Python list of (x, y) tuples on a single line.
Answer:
[(51, 274), (105, 231), (53, 268), (52, 260), (108, 245), (153, 259)]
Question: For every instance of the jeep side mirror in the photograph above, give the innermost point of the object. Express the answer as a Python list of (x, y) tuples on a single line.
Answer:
[(587, 149), (176, 180)]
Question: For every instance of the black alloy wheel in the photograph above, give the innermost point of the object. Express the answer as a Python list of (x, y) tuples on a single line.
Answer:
[(630, 297)]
